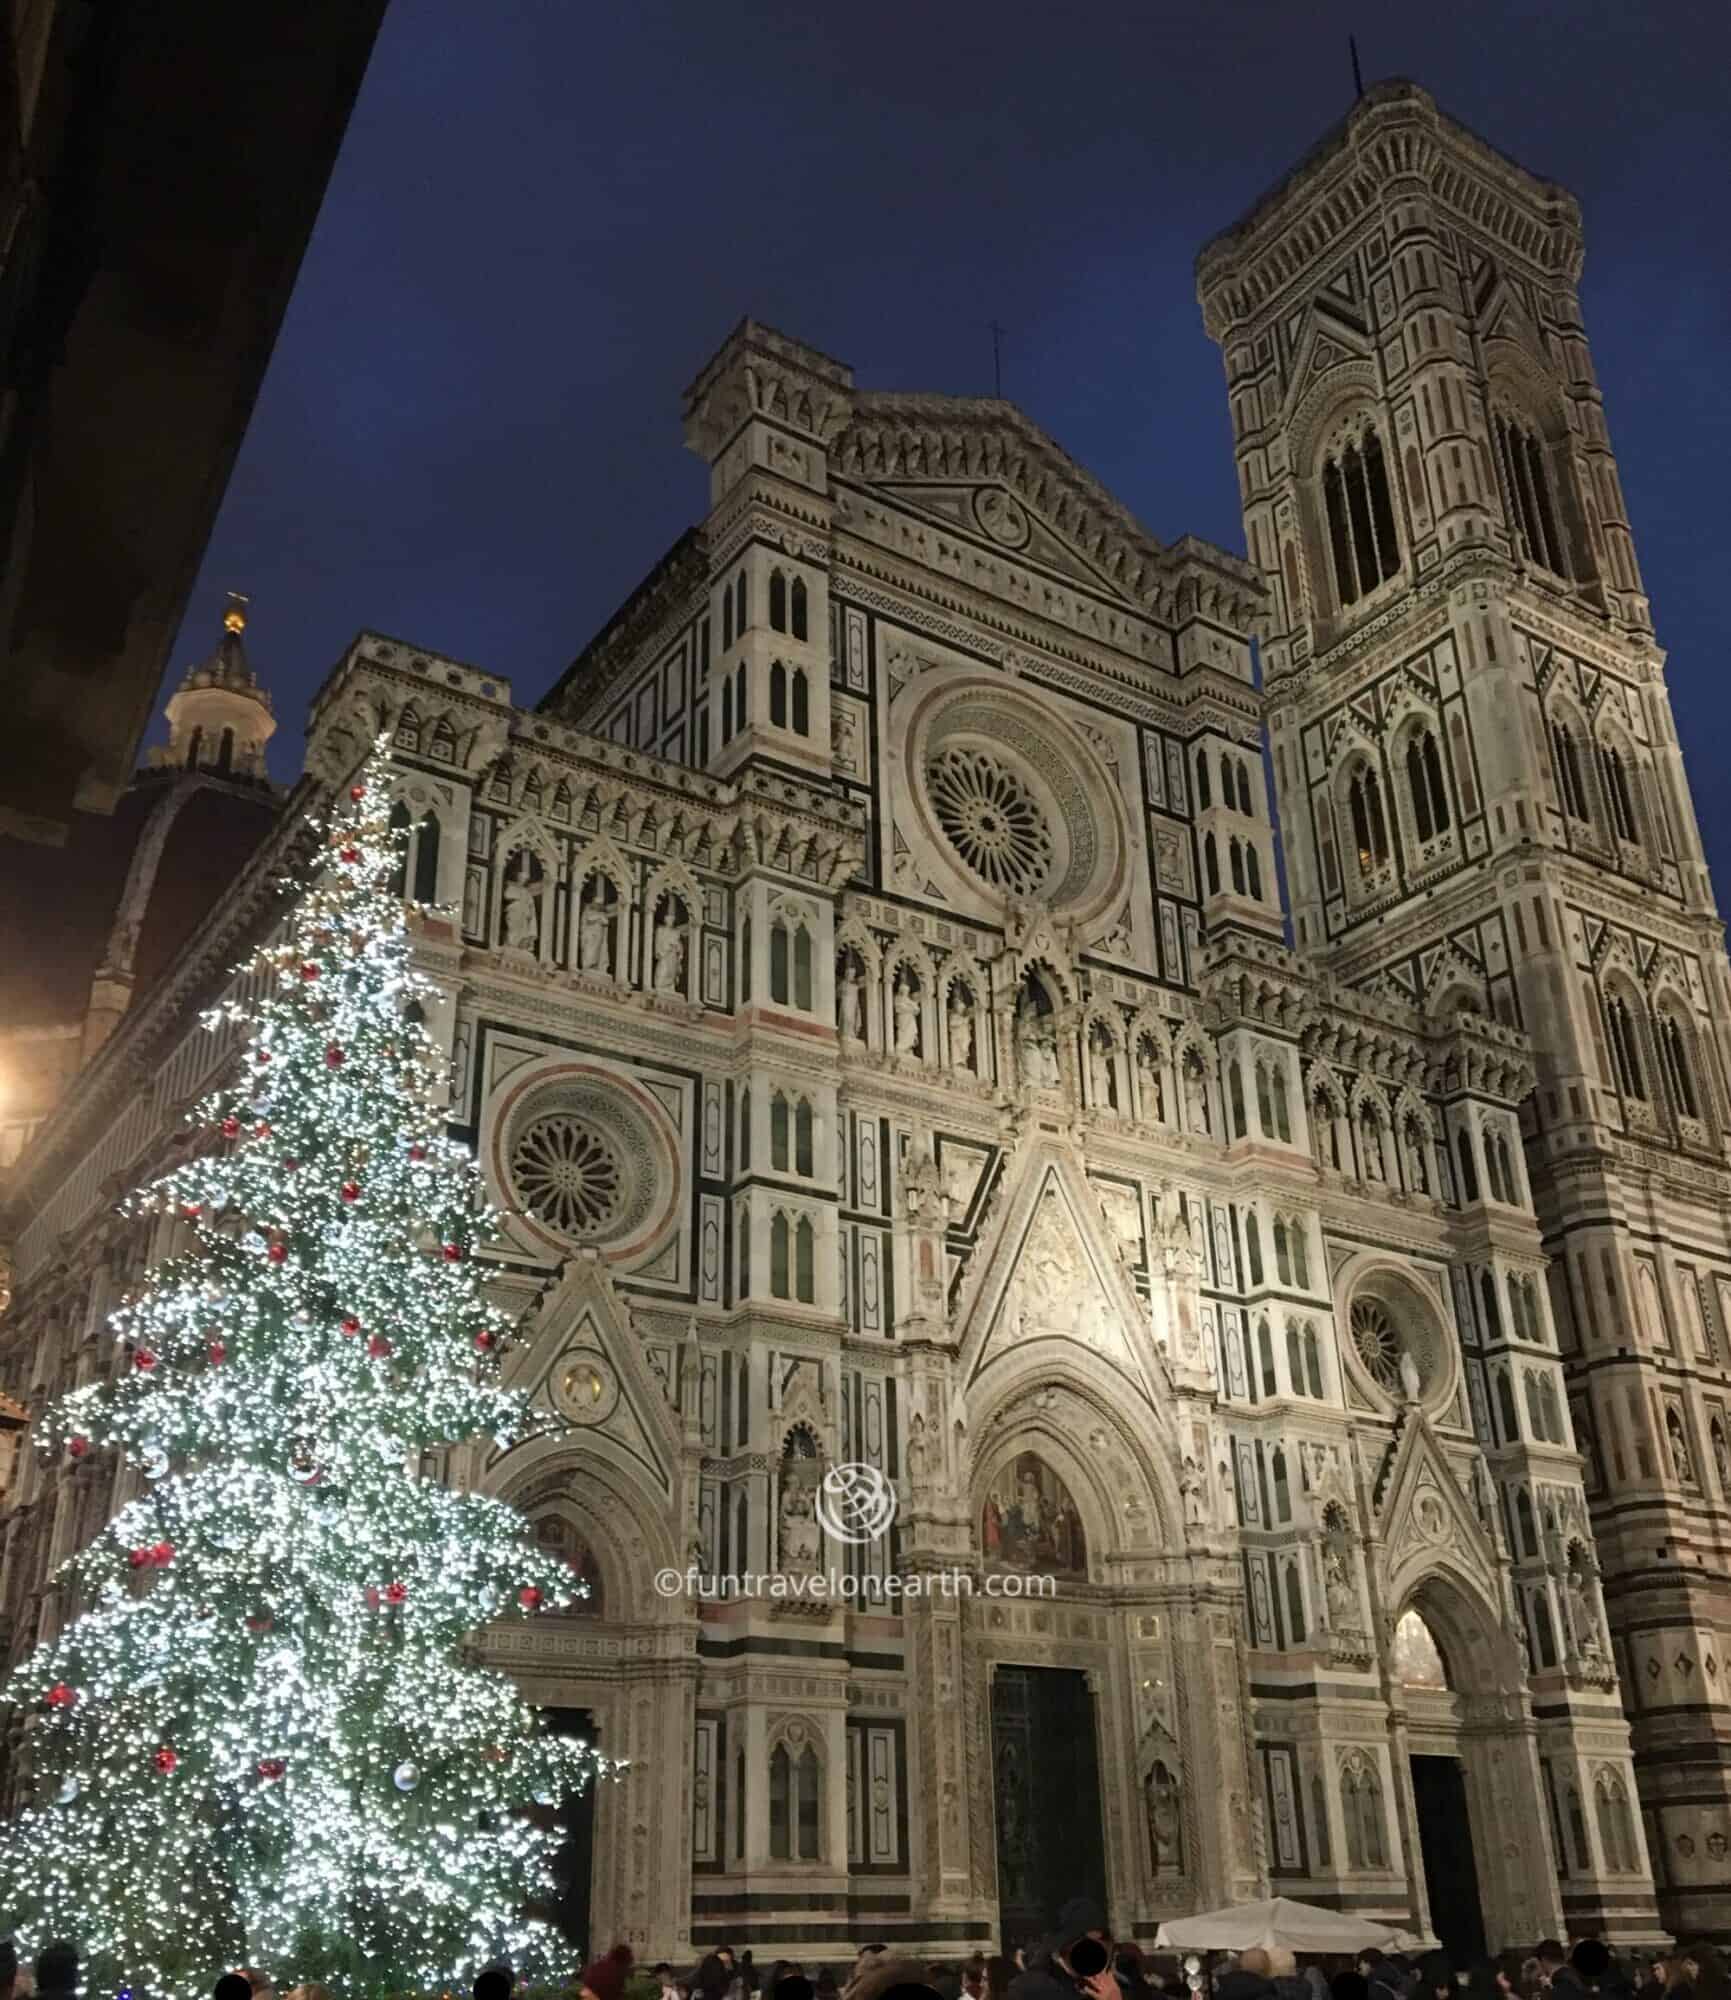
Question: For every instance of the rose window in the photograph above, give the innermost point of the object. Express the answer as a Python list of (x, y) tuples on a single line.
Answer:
[(992, 819), (1378, 1344), (567, 1173)]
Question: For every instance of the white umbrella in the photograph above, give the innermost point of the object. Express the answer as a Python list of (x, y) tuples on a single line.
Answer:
[(1278, 1921)]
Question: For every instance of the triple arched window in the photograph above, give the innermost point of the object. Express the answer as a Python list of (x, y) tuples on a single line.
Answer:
[(792, 1258), (1360, 515), (792, 1126), (1425, 783), (1532, 504), (787, 605)]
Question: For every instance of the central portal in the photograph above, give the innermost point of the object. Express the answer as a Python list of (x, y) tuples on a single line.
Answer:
[(1046, 1781), (1445, 1839)]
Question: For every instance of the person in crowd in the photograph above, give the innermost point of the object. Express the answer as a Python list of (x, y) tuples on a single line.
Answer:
[(57, 1971), (945, 1981), (1075, 1958), (494, 1983), (1382, 1975), (827, 1986), (905, 1978), (715, 1974), (664, 1978), (8, 1966), (999, 1972), (792, 1985), (232, 1986), (604, 1978), (1349, 1985), (1131, 1973), (263, 1986)]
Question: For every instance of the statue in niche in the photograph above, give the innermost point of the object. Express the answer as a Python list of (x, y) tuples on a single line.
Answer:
[(1165, 1820), (917, 1448), (961, 1030), (1411, 1382), (1338, 1585), (595, 933), (1578, 1601), (906, 1008), (1152, 1095), (1036, 1044), (850, 1001), (1195, 1097), (669, 950), (846, 743), (1102, 1086), (523, 905), (1370, 1136), (798, 1521), (1192, 1486)]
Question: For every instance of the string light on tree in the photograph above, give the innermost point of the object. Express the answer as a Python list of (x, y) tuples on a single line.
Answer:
[(262, 1741)]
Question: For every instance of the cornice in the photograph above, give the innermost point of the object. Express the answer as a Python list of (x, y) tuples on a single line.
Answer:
[(664, 596)]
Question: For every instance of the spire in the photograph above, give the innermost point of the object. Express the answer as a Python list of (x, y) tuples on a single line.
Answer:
[(219, 718)]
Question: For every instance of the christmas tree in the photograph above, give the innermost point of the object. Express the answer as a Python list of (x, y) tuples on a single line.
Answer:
[(258, 1740)]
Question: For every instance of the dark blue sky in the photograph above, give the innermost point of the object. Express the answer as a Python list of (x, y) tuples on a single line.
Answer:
[(548, 213)]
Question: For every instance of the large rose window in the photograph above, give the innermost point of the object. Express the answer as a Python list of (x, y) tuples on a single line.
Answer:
[(992, 819)]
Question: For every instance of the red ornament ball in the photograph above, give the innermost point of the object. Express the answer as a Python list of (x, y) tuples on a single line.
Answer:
[(486, 1341), (278, 1253), (350, 1191), (350, 854), (271, 1767), (378, 1346), (351, 1326), (417, 1152), (290, 1164), (166, 1760), (161, 1555), (260, 1621), (144, 1359), (310, 970), (218, 1352), (262, 1057), (357, 793), (374, 1596), (192, 1210), (61, 1696), (77, 1447), (396, 1593), (334, 1056), (231, 1127), (529, 1597), (138, 1558), (453, 1253)]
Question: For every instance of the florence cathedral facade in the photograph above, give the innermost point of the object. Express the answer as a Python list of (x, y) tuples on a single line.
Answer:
[(869, 992)]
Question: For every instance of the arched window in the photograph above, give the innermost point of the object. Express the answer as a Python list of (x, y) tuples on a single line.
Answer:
[(1300, 1256), (1551, 1410), (1616, 1826), (1625, 1048), (805, 1262), (1617, 794), (1295, 1357), (1265, 1358), (739, 689), (1211, 864), (1282, 1108), (1361, 536), (1244, 805), (802, 968), (740, 605), (780, 1804), (1235, 1097), (1424, 779), (1361, 1805), (225, 751), (1319, 1799), (779, 1151), (1544, 1633), (1253, 1246), (1369, 826), (1282, 1485), (780, 951), (1204, 784), (1532, 510), (196, 740), (803, 1124), (1497, 1166), (1526, 1528), (726, 619), (1674, 1060), (1294, 1605), (745, 962), (801, 703), (1506, 1412), (1283, 1255), (1253, 871), (727, 708), (780, 1257), (745, 1256), (427, 859), (1535, 1419), (408, 734), (744, 1129), (1469, 1172), (778, 695), (799, 614), (777, 601), (1312, 1360), (1488, 1296), (1570, 789), (1236, 854), (444, 742), (398, 822)]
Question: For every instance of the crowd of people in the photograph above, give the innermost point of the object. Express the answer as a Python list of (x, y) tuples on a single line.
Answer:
[(1077, 1961)]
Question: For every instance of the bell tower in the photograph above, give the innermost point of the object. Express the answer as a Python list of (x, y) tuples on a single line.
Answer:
[(1484, 808)]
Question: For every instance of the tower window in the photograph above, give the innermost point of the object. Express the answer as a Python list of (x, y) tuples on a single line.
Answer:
[(1204, 784), (799, 610), (777, 601), (1570, 789), (1625, 1048), (1361, 533), (1369, 826), (1532, 506), (777, 690), (1617, 792), (1674, 1056), (801, 703), (1424, 777)]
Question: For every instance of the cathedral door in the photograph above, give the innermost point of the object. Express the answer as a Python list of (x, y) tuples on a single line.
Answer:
[(574, 1858), (1446, 1842), (1046, 1784)]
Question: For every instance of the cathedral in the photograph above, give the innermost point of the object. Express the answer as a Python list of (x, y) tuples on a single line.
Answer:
[(1282, 1292)]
